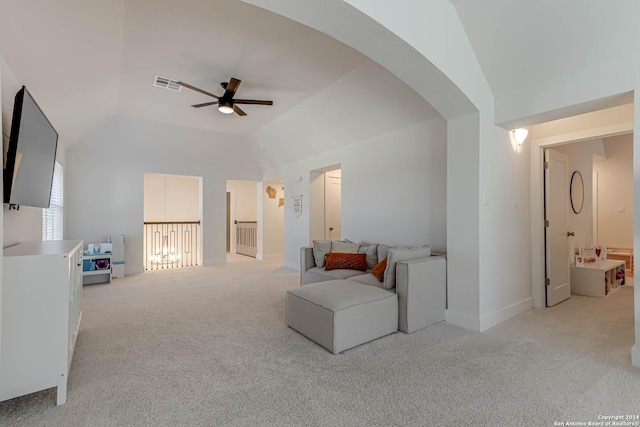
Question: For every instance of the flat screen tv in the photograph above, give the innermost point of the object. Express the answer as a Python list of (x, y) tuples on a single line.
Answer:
[(31, 155)]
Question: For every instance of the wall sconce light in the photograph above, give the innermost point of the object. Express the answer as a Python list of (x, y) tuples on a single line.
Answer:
[(519, 135)]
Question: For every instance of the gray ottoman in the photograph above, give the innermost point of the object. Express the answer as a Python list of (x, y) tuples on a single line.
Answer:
[(342, 314)]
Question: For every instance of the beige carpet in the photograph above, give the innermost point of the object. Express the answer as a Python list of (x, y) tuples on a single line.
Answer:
[(207, 346)]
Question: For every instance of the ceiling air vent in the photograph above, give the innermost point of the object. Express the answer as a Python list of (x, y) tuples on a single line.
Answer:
[(166, 83)]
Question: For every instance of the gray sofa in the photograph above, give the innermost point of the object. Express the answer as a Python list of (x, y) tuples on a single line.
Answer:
[(340, 309)]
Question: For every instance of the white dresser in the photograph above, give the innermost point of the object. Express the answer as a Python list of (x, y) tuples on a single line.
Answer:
[(41, 311)]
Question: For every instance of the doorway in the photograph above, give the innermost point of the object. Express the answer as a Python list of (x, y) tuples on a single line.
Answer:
[(172, 221), (242, 217), (333, 205), (596, 190), (325, 204), (229, 221), (556, 175), (583, 138)]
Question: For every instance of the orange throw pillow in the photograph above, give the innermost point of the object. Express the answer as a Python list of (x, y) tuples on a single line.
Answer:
[(337, 260), (378, 270)]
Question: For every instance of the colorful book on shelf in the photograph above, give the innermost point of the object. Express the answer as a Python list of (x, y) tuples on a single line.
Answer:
[(588, 254), (601, 252)]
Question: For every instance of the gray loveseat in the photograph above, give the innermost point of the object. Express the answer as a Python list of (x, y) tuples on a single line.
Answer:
[(342, 308)]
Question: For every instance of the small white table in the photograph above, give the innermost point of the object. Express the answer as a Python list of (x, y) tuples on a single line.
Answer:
[(596, 279)]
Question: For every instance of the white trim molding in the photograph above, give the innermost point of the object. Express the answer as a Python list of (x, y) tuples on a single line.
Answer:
[(462, 320), (214, 261), (497, 317)]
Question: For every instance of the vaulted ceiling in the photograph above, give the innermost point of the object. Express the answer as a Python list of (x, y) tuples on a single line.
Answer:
[(525, 43), (88, 61)]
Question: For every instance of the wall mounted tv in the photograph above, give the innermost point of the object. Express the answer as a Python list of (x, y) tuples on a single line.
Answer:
[(31, 156)]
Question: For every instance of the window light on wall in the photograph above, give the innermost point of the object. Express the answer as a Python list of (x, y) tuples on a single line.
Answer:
[(52, 218)]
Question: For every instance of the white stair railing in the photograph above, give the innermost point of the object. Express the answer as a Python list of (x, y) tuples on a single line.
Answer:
[(247, 238)]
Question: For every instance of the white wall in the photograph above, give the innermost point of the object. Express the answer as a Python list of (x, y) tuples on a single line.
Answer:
[(171, 198), (272, 222), (22, 225), (393, 192), (394, 187), (9, 85), (463, 237), (246, 199), (615, 189), (106, 171), (371, 102), (448, 75), (581, 126), (316, 205), (505, 287)]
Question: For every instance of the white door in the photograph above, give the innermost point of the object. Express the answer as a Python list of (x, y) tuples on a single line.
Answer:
[(333, 201), (594, 205), (556, 190)]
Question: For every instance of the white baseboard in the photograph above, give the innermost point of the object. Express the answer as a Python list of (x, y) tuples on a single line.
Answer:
[(462, 320), (497, 317), (635, 355), (214, 261), (133, 269), (292, 265)]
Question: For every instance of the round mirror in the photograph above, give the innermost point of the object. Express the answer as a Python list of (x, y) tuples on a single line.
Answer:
[(576, 192)]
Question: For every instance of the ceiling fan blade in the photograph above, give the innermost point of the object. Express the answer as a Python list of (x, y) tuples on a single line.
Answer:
[(205, 104), (232, 87), (238, 110), (188, 86), (252, 101)]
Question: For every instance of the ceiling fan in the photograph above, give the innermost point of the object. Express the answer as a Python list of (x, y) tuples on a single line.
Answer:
[(226, 103)]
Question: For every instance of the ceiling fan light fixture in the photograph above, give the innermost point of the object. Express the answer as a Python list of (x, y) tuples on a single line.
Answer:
[(226, 103), (225, 107)]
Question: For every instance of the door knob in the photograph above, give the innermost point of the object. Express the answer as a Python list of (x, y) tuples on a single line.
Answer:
[(570, 233), (330, 228)]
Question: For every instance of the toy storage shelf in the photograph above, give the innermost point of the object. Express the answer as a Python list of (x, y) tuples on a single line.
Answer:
[(90, 277), (597, 279)]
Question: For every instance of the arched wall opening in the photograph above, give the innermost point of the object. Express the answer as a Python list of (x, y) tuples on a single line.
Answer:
[(465, 103), (447, 74)]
